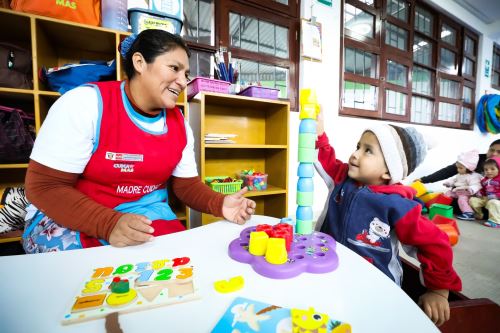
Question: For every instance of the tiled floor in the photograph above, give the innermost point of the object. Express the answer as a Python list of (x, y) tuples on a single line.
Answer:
[(477, 260)]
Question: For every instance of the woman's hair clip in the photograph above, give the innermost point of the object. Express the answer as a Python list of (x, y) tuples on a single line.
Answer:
[(126, 44)]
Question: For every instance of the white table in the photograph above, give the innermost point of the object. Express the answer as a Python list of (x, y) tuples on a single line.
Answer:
[(37, 289)]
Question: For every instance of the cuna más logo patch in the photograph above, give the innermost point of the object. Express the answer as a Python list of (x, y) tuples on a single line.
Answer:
[(66, 3)]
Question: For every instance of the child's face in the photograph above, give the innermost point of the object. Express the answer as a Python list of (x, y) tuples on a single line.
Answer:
[(490, 171), (367, 163), (461, 169)]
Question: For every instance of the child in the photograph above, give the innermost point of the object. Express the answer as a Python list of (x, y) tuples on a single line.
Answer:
[(489, 195), (465, 183), (370, 212)]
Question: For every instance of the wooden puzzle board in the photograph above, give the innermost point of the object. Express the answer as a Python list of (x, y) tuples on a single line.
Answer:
[(151, 284)]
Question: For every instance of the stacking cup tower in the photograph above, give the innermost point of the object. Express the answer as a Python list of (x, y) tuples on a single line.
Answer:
[(309, 110)]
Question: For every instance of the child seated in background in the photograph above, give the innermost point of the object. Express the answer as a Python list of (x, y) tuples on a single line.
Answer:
[(370, 212), (489, 195), (465, 184)]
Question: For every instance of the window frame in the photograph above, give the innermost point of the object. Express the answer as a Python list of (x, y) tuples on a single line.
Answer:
[(266, 10), (496, 52), (387, 52)]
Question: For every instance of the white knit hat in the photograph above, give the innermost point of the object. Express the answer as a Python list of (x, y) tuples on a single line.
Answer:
[(469, 159), (403, 148)]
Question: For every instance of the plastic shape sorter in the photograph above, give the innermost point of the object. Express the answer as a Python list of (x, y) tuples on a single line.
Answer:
[(313, 253), (151, 284)]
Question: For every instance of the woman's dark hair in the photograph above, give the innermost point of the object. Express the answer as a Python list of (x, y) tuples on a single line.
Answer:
[(152, 43), (496, 142)]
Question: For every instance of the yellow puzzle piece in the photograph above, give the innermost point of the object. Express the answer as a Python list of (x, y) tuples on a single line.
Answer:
[(225, 286)]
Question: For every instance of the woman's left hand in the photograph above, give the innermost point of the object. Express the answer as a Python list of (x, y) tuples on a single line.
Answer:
[(236, 208)]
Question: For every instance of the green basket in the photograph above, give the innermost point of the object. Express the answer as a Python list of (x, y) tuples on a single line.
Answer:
[(224, 188)]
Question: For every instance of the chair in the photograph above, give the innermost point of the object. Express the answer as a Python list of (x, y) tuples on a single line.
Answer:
[(466, 315)]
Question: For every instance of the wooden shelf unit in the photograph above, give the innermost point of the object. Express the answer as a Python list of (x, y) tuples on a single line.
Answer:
[(261, 127), (54, 43)]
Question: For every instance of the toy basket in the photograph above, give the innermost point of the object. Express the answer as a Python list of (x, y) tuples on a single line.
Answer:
[(260, 92), (255, 182), (224, 188), (205, 84)]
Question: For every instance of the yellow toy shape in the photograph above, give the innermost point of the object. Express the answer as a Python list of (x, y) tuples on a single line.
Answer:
[(276, 251), (419, 187), (229, 286), (258, 243), (309, 321)]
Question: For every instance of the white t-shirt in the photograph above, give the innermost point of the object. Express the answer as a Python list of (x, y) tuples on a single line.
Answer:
[(67, 136)]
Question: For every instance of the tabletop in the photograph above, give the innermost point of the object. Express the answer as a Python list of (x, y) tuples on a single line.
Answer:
[(37, 289)]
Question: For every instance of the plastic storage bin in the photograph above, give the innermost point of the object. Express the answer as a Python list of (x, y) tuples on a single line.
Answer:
[(141, 19), (255, 182), (260, 92), (205, 84), (114, 14), (225, 188)]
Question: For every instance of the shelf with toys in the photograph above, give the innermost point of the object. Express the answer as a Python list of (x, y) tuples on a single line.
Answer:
[(258, 132), (53, 43)]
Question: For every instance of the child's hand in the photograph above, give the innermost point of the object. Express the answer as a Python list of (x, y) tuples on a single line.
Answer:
[(320, 124), (236, 208), (131, 229), (435, 305)]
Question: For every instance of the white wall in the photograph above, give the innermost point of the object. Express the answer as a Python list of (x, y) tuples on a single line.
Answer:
[(344, 131)]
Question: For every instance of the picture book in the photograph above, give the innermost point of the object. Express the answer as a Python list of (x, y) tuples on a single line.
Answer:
[(247, 316), (133, 287)]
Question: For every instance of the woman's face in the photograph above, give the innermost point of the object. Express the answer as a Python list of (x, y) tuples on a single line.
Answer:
[(493, 151), (165, 78)]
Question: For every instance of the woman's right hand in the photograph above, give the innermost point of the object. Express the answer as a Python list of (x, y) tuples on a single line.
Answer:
[(131, 229)]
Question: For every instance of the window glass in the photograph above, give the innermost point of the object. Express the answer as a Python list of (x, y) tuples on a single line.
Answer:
[(258, 36), (448, 112), (281, 42), (468, 68), (422, 81), (266, 38), (424, 21), (255, 73), (396, 36), (398, 9), (449, 89), (198, 25), (448, 34), (359, 21), (360, 96), (395, 102), (469, 45), (396, 73), (421, 110), (200, 64), (466, 117), (496, 61), (360, 63), (468, 95), (448, 59), (422, 51)]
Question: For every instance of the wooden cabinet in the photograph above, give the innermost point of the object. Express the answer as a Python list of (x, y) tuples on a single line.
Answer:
[(55, 43), (261, 127)]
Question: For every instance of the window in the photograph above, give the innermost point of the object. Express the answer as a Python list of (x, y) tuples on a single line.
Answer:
[(495, 68), (261, 36), (414, 64)]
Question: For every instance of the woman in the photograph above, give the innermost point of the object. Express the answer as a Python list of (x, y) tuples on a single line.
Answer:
[(102, 158)]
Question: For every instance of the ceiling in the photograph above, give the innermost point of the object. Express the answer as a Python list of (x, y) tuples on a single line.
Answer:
[(488, 11)]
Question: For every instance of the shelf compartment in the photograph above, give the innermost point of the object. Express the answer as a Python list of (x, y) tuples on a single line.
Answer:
[(255, 122), (58, 44), (44, 102), (13, 176), (271, 161)]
